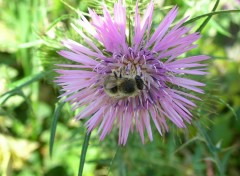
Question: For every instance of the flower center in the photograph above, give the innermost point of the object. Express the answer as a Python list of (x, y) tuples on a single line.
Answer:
[(129, 74)]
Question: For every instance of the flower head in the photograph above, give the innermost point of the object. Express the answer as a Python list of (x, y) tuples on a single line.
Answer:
[(125, 85)]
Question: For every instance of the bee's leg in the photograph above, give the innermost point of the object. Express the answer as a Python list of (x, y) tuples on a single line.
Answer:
[(145, 86)]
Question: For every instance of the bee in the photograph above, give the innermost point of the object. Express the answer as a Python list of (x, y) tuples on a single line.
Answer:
[(121, 87)]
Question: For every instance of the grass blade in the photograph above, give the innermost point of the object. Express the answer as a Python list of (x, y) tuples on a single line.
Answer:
[(187, 143), (210, 14), (84, 152), (111, 163), (63, 17), (229, 107), (206, 138), (18, 88), (208, 18), (54, 125)]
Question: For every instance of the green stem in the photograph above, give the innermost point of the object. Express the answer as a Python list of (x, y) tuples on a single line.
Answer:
[(83, 154)]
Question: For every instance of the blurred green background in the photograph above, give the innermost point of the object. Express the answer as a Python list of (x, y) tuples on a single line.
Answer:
[(211, 146)]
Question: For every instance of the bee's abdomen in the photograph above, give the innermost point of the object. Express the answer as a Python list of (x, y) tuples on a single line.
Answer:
[(128, 86)]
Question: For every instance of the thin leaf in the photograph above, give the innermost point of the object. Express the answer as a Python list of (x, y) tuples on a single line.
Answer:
[(187, 143), (226, 159), (77, 11), (84, 152), (30, 44), (69, 6), (17, 89), (112, 160), (229, 107), (220, 29), (210, 14), (122, 164), (56, 116), (212, 148), (208, 140), (63, 17), (208, 18)]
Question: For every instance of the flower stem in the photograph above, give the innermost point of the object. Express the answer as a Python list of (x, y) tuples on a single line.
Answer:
[(83, 154)]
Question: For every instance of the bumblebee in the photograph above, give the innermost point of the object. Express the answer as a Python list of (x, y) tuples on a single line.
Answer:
[(121, 87)]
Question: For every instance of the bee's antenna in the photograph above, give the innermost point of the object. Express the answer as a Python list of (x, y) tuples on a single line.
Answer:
[(115, 74)]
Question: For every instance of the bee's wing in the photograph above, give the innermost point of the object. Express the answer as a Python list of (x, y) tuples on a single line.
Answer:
[(110, 85)]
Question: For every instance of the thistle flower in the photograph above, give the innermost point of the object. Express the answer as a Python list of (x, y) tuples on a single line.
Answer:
[(126, 85)]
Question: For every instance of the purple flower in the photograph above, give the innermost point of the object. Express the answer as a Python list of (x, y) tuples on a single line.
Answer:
[(126, 86)]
